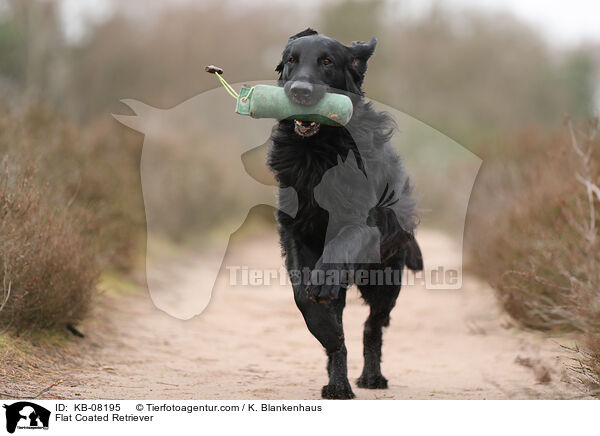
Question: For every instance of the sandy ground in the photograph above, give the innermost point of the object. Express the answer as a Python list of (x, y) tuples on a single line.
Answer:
[(253, 344)]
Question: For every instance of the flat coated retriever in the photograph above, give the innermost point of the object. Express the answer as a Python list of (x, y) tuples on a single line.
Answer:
[(352, 192)]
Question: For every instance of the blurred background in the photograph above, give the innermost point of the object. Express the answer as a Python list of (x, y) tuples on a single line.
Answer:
[(497, 77)]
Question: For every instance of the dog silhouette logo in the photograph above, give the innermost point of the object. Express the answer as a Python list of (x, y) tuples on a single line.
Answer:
[(203, 170), (26, 415)]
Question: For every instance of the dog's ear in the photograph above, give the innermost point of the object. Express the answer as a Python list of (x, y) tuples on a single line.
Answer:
[(305, 32), (360, 53), (279, 68)]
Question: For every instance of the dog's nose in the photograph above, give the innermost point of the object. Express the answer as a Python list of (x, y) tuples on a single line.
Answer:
[(301, 92)]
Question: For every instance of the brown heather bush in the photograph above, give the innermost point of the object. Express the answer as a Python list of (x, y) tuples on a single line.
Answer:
[(48, 265), (93, 168), (70, 206), (534, 233)]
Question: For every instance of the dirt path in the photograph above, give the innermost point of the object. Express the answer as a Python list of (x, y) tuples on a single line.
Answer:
[(252, 343)]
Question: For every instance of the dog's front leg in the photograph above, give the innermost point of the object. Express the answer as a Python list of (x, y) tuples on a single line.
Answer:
[(324, 320), (353, 245)]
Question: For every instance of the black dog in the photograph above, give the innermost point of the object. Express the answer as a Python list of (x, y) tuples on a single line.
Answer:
[(354, 170)]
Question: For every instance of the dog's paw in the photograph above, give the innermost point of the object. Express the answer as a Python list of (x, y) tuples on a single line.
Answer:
[(372, 381), (337, 391), (322, 293)]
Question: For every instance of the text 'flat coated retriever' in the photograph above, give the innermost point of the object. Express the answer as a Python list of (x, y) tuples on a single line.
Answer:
[(356, 218)]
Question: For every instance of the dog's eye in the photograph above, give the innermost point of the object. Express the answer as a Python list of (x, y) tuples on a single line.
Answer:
[(327, 61), (291, 60)]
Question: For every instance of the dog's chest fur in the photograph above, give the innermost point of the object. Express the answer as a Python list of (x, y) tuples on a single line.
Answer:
[(300, 163)]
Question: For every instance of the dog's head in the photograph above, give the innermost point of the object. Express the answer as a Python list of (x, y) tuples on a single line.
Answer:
[(313, 64)]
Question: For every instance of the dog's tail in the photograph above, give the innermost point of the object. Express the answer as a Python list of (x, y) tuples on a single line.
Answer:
[(414, 258), (397, 239)]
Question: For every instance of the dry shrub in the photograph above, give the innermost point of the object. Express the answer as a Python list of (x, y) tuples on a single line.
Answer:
[(533, 231), (104, 179), (95, 169), (587, 365), (48, 265), (70, 206)]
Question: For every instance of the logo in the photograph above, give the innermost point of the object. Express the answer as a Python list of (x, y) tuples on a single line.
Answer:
[(200, 153), (26, 415)]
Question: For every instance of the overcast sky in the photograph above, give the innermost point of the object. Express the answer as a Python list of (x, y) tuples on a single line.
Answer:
[(562, 22)]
